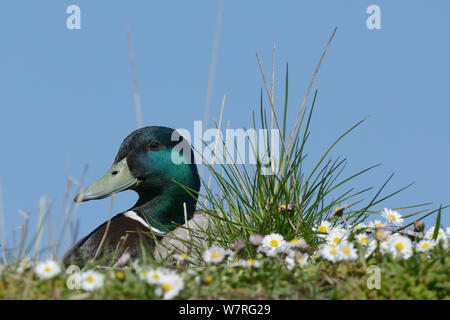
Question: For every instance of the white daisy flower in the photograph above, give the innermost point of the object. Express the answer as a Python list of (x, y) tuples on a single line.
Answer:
[(250, 263), (376, 224), (272, 244), (142, 271), (296, 243), (214, 254), (347, 251), (425, 245), (323, 227), (290, 262), (182, 257), (392, 217), (91, 280), (24, 265), (153, 276), (47, 269), (339, 229), (169, 286), (359, 226), (400, 246), (330, 252), (363, 239), (441, 234), (381, 234), (301, 258), (336, 237)]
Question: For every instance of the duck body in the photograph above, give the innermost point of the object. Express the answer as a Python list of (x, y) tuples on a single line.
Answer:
[(158, 164), (124, 235)]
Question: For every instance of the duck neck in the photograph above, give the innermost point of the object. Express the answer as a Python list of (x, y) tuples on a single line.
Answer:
[(163, 207)]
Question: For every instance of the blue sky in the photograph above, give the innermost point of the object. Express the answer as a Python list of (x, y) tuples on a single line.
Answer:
[(67, 95)]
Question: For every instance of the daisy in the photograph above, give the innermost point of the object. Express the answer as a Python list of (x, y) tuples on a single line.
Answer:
[(441, 234), (169, 286), (330, 253), (347, 251), (215, 254), (255, 239), (301, 258), (381, 234), (392, 217), (142, 271), (359, 226), (296, 243), (47, 269), (154, 276), (376, 224), (338, 229), (91, 280), (335, 237), (400, 246), (323, 227), (290, 262), (272, 244), (363, 239), (425, 245), (250, 263), (24, 265), (181, 257)]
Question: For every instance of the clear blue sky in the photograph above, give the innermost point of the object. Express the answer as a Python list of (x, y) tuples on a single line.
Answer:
[(68, 94)]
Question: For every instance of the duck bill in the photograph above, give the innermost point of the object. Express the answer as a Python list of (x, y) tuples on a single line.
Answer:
[(117, 179)]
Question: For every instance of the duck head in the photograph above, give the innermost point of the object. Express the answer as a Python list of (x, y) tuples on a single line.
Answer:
[(154, 162)]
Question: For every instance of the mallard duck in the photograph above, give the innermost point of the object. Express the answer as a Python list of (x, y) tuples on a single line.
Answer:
[(159, 165)]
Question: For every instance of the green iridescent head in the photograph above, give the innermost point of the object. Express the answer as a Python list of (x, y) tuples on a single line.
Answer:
[(153, 161)]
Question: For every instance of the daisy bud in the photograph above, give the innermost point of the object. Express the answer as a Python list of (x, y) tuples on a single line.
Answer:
[(419, 226), (290, 206), (237, 245), (255, 239)]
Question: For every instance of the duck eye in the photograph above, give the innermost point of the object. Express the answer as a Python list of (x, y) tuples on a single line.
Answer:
[(154, 146)]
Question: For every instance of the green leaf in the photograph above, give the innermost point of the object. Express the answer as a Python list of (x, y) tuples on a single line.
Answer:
[(438, 223)]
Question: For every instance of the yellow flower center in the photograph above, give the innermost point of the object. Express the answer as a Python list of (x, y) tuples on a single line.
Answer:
[(425, 245), (184, 255), (399, 246), (333, 251), (347, 250), (215, 255), (364, 240), (47, 269), (391, 216), (155, 276), (165, 287), (336, 240), (294, 241), (300, 257), (208, 279), (90, 279), (274, 243), (323, 229), (251, 261), (120, 275)]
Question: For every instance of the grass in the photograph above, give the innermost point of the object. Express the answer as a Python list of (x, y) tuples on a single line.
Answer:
[(243, 201)]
